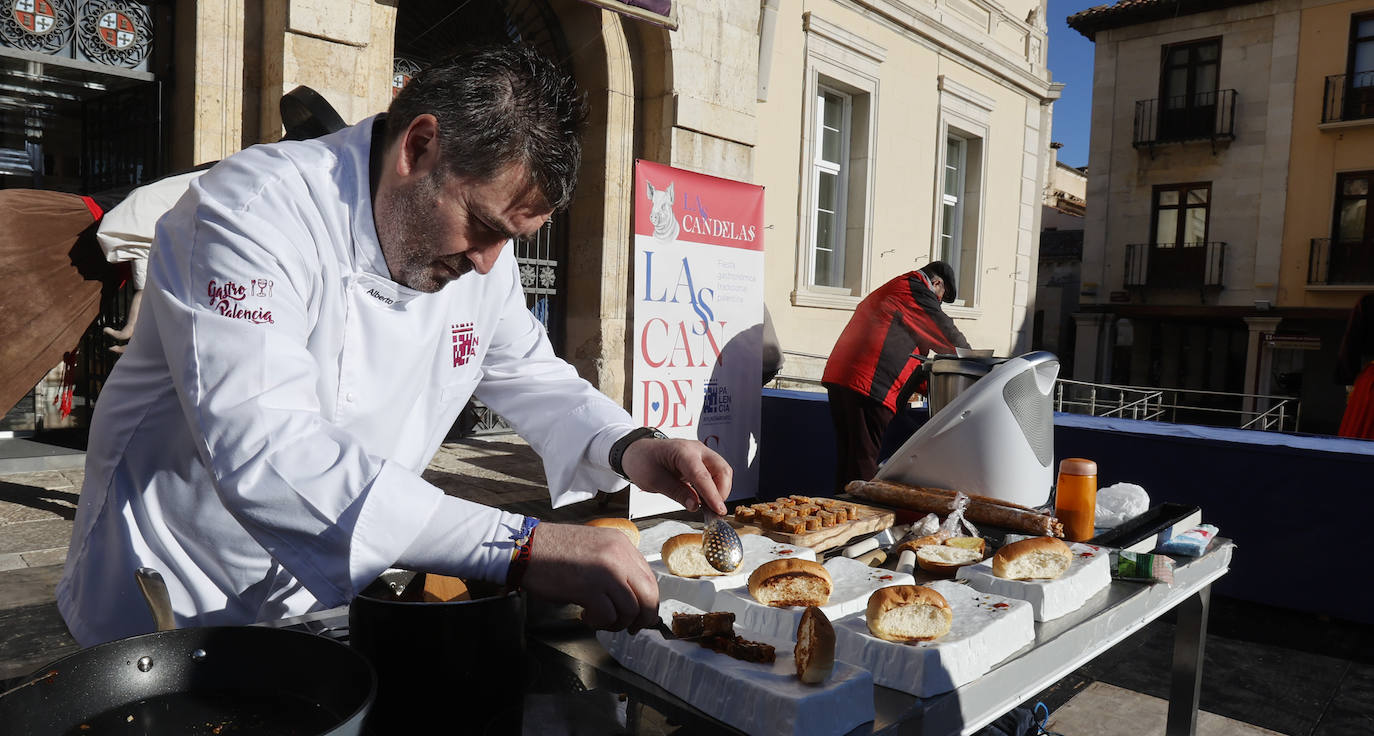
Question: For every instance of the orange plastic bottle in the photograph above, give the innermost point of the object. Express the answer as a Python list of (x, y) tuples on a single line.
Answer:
[(1075, 498)]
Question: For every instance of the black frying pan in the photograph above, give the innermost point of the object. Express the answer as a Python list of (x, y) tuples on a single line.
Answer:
[(213, 680)]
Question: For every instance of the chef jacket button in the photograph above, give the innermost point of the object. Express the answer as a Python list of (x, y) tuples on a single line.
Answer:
[(348, 397)]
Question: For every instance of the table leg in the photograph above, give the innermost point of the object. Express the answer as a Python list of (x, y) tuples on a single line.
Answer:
[(1190, 636)]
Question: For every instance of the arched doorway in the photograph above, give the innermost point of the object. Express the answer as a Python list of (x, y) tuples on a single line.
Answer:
[(427, 31)]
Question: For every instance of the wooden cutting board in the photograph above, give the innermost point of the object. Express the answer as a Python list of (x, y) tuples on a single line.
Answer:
[(867, 520)]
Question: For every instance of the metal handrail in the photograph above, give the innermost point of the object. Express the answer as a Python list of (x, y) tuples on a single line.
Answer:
[(1199, 116), (1339, 105), (1153, 404), (1176, 265), (1335, 261)]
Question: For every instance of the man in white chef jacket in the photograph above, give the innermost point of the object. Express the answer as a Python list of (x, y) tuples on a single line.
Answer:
[(317, 314)]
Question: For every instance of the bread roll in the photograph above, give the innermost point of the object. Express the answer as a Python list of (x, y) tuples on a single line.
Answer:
[(908, 613), (815, 650), (624, 525), (917, 543), (791, 582), (943, 559), (1039, 558), (683, 556), (975, 543)]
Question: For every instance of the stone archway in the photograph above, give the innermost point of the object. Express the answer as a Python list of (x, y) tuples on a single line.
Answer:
[(625, 67), (611, 58)]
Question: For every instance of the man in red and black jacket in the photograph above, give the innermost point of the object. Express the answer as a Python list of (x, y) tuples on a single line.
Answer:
[(868, 373)]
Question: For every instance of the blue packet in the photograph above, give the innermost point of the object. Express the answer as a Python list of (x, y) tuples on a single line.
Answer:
[(1192, 543)]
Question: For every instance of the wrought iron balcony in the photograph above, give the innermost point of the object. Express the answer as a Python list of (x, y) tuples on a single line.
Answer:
[(1203, 116), (1333, 262), (1348, 97), (1175, 266)]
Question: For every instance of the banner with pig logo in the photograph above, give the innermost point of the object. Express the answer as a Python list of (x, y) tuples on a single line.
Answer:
[(698, 308)]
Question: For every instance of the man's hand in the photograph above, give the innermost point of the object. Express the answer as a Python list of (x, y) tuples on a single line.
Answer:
[(598, 569), (680, 469)]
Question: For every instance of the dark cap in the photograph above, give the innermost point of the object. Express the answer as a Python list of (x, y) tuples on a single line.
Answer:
[(945, 274)]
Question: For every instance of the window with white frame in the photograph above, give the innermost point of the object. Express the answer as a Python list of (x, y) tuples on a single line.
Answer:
[(952, 201), (835, 204), (829, 171), (965, 117)]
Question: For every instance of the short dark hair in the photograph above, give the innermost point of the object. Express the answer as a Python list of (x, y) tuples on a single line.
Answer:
[(499, 105), (945, 274)]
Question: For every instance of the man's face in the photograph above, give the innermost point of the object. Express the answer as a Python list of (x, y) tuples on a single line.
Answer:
[(937, 285), (437, 227)]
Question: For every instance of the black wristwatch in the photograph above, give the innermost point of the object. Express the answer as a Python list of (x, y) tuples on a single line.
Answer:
[(622, 444)]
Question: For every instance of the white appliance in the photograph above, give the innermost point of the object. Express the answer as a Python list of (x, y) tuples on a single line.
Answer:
[(996, 438)]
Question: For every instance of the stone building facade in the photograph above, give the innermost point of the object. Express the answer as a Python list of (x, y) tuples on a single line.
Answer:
[(952, 90), (1211, 174)]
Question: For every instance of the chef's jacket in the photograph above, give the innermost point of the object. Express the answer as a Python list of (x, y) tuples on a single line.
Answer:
[(261, 440)]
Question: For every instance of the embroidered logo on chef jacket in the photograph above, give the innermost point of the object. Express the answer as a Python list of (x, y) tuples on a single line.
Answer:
[(226, 298), (464, 343)]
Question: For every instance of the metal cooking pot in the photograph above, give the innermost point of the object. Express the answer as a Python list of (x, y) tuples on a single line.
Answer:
[(231, 679), (951, 375), (453, 667)]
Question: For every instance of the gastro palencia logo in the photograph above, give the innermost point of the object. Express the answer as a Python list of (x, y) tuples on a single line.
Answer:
[(227, 298)]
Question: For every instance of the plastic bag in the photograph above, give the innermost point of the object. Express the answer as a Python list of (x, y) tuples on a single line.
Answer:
[(925, 527), (951, 526), (1119, 503)]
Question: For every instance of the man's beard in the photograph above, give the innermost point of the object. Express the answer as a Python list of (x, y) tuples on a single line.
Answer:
[(407, 227)]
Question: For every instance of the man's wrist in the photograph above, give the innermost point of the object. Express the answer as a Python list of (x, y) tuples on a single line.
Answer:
[(520, 556), (617, 456)]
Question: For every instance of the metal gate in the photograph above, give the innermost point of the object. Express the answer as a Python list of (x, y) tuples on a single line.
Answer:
[(121, 138), (122, 146), (539, 272)]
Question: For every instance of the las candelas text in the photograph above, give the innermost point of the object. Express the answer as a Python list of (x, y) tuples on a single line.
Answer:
[(673, 343)]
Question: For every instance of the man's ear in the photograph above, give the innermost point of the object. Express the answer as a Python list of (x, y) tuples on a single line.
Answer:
[(419, 147)]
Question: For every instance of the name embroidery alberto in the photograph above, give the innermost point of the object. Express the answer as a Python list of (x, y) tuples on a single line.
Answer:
[(226, 298)]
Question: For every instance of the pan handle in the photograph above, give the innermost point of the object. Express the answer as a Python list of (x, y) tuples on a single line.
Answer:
[(155, 593)]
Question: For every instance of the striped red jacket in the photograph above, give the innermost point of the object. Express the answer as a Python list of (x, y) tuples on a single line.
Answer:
[(873, 356)]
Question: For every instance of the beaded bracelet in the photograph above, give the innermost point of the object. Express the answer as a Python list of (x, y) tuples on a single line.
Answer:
[(520, 556)]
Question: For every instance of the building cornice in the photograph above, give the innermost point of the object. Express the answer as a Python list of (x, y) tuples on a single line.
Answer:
[(930, 29), (1135, 12), (812, 23)]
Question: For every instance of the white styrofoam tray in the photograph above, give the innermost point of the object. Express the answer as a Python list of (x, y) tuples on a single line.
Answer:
[(1087, 575), (651, 540), (853, 582), (701, 592), (986, 630), (753, 697)]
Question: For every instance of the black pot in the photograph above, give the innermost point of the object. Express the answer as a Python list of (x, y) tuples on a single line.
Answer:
[(231, 679), (457, 667)]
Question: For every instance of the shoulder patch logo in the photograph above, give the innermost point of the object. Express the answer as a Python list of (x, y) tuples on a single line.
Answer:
[(227, 297), (464, 341)]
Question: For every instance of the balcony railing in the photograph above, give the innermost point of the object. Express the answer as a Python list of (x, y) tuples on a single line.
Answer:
[(1348, 97), (1178, 405), (1333, 262), (1175, 266), (1202, 116)]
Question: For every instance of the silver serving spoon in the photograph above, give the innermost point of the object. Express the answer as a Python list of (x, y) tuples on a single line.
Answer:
[(719, 542)]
